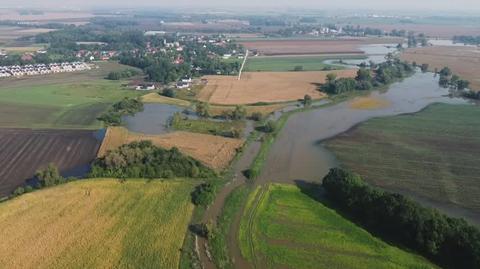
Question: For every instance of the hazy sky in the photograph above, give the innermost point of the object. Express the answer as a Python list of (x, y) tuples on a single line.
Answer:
[(414, 5)]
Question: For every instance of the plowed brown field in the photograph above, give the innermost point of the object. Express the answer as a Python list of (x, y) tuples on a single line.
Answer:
[(23, 151), (267, 87)]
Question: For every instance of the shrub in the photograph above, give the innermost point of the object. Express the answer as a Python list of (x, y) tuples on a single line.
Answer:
[(204, 194), (168, 92)]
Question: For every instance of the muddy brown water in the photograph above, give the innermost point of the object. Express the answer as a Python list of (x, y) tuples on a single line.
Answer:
[(298, 153)]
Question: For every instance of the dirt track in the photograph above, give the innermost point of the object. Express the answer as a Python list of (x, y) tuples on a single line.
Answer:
[(23, 151)]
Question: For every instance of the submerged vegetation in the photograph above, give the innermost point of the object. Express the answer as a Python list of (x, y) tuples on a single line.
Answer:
[(232, 129), (144, 160), (450, 242)]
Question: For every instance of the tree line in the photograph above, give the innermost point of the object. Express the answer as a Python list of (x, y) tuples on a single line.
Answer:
[(127, 73), (450, 242), (467, 40), (366, 79), (144, 160)]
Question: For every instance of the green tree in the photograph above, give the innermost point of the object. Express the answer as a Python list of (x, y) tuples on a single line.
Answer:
[(49, 176), (307, 100), (203, 109), (239, 113)]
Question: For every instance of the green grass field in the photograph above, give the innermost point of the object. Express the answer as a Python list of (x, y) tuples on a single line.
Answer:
[(283, 227), (97, 224), (280, 64), (431, 154), (72, 100)]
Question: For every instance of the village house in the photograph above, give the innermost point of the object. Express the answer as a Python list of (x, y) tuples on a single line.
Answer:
[(145, 87)]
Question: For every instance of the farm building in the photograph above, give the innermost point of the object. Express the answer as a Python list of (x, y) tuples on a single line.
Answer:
[(145, 87)]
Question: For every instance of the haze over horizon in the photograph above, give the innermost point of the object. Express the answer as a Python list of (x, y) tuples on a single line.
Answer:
[(406, 5)]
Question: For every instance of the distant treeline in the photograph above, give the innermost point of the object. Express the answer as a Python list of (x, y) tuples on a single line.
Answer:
[(467, 39), (117, 75), (144, 160), (128, 106), (450, 242), (366, 79)]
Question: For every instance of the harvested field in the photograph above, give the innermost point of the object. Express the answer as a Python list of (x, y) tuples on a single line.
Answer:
[(97, 224), (314, 46), (214, 151), (283, 226), (368, 103), (464, 61), (23, 151), (269, 87)]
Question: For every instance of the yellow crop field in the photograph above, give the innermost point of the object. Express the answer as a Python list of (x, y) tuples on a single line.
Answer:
[(97, 224)]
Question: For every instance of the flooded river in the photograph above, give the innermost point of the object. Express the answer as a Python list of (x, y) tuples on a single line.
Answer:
[(297, 154)]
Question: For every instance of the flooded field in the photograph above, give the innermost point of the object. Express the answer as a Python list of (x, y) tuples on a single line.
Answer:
[(297, 154)]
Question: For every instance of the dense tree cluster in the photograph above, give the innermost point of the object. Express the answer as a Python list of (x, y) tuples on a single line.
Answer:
[(366, 79), (450, 242), (127, 106), (117, 75), (449, 80), (144, 160), (44, 177)]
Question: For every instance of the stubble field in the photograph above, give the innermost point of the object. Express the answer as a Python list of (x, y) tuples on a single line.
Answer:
[(214, 151), (464, 61), (269, 87)]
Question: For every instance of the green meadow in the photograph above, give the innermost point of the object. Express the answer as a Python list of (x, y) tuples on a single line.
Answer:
[(67, 100), (283, 227)]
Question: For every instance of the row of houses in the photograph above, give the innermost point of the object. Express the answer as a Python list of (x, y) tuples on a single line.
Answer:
[(41, 69)]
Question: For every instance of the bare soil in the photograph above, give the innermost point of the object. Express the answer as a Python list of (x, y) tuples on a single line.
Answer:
[(23, 151)]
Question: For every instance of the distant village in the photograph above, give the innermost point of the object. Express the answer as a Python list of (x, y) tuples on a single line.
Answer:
[(42, 69)]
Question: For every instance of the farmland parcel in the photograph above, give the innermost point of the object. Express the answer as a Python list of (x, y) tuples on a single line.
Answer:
[(464, 61), (214, 151), (286, 228), (432, 155), (23, 151), (267, 87), (97, 224)]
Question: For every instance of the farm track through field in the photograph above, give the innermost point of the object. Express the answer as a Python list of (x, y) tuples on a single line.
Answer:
[(251, 222)]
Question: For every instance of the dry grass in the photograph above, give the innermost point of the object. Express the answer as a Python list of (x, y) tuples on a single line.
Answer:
[(270, 87), (157, 98), (97, 224), (214, 151), (367, 103), (22, 49), (464, 61)]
